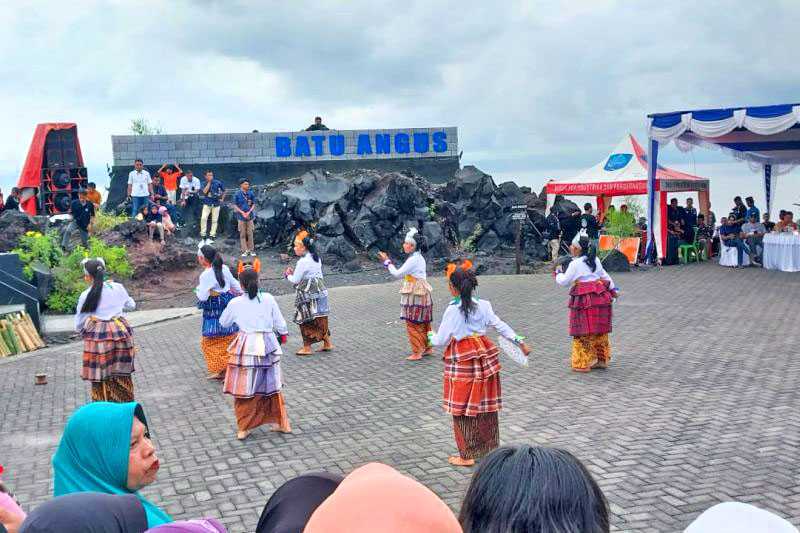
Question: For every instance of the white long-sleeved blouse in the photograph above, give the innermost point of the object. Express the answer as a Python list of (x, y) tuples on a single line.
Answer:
[(114, 301), (455, 326), (208, 282), (413, 266), (261, 314), (306, 268), (578, 270)]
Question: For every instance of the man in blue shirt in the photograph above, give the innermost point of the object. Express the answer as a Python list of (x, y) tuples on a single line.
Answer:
[(244, 204), (213, 194), (752, 210), (730, 235)]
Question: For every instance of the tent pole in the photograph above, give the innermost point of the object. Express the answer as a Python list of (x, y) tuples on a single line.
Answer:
[(768, 188), (652, 196)]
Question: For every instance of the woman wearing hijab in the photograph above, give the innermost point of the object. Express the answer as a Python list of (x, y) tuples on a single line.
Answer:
[(377, 497), (107, 337), (416, 304), (471, 366), (215, 289), (106, 448), (254, 376), (88, 512), (311, 300), (592, 293), (290, 507)]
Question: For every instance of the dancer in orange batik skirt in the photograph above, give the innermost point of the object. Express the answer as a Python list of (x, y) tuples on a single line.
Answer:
[(471, 367), (592, 294), (416, 304)]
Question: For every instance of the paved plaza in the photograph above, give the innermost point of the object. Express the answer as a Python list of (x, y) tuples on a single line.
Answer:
[(700, 404)]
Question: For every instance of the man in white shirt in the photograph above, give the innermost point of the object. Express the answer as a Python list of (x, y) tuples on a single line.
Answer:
[(190, 187), (140, 187)]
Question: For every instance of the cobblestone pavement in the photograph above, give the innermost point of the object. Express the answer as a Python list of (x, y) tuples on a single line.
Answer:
[(699, 406)]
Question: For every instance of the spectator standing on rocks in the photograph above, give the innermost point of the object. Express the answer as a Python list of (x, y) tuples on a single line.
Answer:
[(82, 211), (93, 195), (169, 176), (12, 202), (140, 188), (317, 125), (244, 203), (213, 195)]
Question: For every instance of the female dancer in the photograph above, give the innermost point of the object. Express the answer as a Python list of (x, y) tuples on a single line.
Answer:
[(591, 296), (471, 367), (311, 300), (416, 305), (254, 367), (107, 337), (215, 289)]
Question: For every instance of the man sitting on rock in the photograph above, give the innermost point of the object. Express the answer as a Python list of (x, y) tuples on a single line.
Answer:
[(753, 232), (731, 236)]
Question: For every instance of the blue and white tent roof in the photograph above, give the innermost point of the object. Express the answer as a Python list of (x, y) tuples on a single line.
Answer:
[(763, 134)]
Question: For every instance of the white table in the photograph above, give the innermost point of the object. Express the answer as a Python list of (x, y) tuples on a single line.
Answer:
[(782, 252)]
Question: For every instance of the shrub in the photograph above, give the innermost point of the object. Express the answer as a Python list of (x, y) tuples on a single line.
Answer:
[(37, 247), (104, 221), (68, 275), (470, 244)]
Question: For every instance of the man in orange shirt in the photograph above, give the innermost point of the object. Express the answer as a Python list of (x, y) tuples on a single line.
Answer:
[(169, 177), (93, 195)]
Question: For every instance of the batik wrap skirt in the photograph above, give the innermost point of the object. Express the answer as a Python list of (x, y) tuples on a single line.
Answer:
[(216, 338), (312, 310)]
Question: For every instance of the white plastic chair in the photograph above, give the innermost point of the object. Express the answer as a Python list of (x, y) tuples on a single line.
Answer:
[(729, 256)]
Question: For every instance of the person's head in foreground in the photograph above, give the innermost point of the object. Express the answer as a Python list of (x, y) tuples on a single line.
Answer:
[(290, 507), (735, 517), (463, 282), (587, 207), (532, 489), (377, 497), (106, 448), (87, 511)]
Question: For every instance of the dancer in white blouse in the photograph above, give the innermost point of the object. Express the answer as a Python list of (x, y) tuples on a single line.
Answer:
[(592, 294), (215, 289), (254, 376), (108, 349), (311, 299), (416, 304), (471, 366)]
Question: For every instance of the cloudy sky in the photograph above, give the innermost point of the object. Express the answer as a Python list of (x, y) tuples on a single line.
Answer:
[(538, 89)]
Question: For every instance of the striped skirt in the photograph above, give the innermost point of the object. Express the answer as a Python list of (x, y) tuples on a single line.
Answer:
[(311, 301), (107, 349), (472, 377), (416, 304), (254, 365)]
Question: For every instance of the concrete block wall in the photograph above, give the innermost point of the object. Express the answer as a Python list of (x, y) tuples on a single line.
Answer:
[(260, 147)]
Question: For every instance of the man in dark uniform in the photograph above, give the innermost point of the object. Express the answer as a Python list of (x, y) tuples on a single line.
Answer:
[(317, 125), (82, 211)]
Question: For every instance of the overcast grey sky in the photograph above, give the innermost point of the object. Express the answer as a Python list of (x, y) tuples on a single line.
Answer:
[(537, 89)]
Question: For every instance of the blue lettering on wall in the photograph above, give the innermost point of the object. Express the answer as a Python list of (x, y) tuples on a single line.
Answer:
[(364, 144), (319, 144), (439, 142), (301, 146), (283, 146), (336, 144), (401, 143), (421, 141), (383, 143)]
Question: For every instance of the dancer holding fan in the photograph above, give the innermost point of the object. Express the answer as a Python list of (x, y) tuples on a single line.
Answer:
[(416, 304), (471, 366)]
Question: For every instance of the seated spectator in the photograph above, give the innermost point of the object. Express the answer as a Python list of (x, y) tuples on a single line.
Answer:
[(154, 222), (93, 195), (736, 517), (674, 241), (169, 177), (705, 234), (730, 235), (769, 225), (12, 202), (317, 125), (377, 497), (169, 225), (161, 197), (88, 511), (786, 223), (518, 489), (82, 211), (753, 232), (106, 448), (290, 507)]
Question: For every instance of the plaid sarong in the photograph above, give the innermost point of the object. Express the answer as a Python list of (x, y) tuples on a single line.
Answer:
[(212, 310), (254, 365), (311, 300), (472, 377), (107, 348), (416, 304), (590, 306)]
